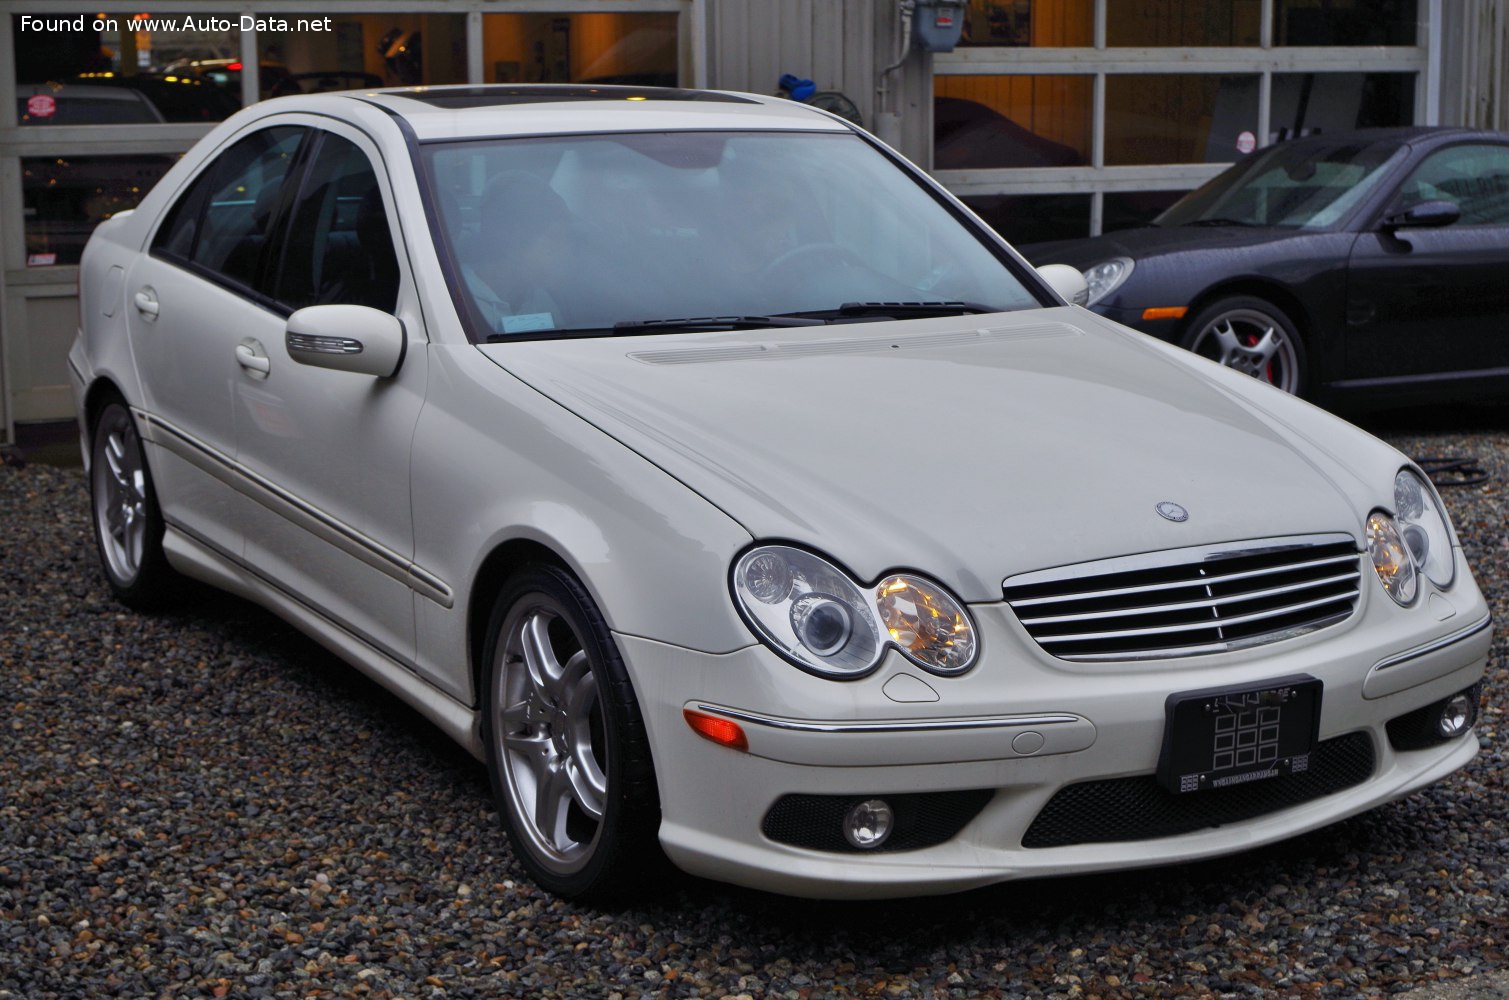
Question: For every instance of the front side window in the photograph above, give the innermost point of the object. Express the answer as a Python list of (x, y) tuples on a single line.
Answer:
[(581, 233), (221, 223), (339, 248), (1475, 178)]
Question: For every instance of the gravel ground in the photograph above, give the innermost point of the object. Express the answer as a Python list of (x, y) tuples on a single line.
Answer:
[(207, 804)]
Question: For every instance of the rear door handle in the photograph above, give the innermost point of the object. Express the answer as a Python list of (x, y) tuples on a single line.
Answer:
[(249, 357), (146, 303)]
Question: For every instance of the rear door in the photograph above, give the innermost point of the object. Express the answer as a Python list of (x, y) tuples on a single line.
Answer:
[(1421, 301), (194, 304)]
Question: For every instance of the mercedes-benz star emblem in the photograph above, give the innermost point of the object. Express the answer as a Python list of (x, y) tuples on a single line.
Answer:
[(1172, 511)]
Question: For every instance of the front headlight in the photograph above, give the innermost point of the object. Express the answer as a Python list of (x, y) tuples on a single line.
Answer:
[(1106, 277), (812, 613), (1424, 527), (1391, 560)]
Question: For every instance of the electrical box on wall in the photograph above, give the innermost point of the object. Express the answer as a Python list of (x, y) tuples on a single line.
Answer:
[(937, 24)]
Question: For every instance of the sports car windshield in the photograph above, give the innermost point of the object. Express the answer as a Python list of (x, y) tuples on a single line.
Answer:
[(1289, 186), (668, 231)]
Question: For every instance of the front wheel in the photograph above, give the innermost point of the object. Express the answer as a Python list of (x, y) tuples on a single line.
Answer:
[(1253, 336), (566, 746)]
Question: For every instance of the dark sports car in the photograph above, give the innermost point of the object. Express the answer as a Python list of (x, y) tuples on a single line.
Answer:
[(1361, 267)]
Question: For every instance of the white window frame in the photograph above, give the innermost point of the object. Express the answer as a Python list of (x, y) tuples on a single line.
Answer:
[(1100, 61)]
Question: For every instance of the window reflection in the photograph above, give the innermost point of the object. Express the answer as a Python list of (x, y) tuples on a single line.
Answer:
[(1029, 22), (1011, 121), (65, 197), (361, 51), (635, 49), (1180, 119), (123, 76)]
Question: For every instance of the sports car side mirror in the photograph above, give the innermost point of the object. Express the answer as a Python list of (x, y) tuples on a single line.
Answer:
[(347, 339), (1066, 281), (1425, 215)]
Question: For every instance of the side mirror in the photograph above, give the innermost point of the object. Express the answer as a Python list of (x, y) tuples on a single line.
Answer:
[(1066, 281), (346, 339), (1425, 215)]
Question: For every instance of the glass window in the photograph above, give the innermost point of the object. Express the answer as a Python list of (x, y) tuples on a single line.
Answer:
[(1180, 23), (1132, 209), (1309, 183), (1475, 178), (1180, 119), (221, 223), (64, 197), (1037, 218), (1029, 22), (128, 70), (339, 248), (580, 233), (1011, 121), (1306, 103), (1344, 22), (304, 54), (639, 50)]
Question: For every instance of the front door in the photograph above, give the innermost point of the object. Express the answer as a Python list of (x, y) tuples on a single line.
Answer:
[(336, 530), (1423, 301)]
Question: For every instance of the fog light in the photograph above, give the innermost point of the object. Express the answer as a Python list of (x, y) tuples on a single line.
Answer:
[(1457, 714), (868, 824)]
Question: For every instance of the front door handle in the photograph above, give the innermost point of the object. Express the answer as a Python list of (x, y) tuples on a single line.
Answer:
[(146, 302), (250, 356)]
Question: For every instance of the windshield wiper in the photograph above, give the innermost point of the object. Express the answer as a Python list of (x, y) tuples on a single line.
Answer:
[(712, 323), (948, 308), (1219, 222)]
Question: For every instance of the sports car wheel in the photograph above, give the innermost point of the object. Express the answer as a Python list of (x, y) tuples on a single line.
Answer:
[(128, 526), (567, 752), (1253, 336)]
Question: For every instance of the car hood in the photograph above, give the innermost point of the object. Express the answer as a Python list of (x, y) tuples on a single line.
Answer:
[(968, 448), (1153, 241)]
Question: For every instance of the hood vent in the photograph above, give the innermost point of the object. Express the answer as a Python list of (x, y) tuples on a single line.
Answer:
[(1183, 602)]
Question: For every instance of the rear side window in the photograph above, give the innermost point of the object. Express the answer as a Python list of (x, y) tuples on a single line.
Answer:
[(221, 223), (339, 249)]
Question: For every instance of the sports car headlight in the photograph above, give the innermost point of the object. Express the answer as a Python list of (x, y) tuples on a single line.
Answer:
[(1396, 570), (812, 613), (1106, 277), (1424, 527)]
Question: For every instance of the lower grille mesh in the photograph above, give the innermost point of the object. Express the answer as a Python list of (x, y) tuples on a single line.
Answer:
[(1120, 809)]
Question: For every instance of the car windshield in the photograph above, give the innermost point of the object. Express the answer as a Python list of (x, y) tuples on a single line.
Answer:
[(657, 232), (1290, 186)]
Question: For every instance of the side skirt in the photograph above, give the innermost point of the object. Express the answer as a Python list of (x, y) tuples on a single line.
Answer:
[(195, 559)]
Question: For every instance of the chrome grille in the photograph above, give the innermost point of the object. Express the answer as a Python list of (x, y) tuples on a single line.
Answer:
[(1180, 602)]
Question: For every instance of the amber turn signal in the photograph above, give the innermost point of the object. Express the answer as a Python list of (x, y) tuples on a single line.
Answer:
[(721, 731), (1165, 312)]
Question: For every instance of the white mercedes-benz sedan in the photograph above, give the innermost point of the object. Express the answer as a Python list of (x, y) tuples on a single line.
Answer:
[(731, 491)]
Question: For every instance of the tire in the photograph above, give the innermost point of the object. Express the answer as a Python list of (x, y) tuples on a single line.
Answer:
[(1253, 336), (128, 525), (567, 752)]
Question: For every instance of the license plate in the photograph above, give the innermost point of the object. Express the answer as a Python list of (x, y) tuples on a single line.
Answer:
[(1224, 737)]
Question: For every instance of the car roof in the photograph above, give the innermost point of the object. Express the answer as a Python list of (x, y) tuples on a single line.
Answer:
[(1404, 135), (440, 113)]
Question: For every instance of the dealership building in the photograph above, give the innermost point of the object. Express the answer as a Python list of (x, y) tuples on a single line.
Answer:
[(1051, 118)]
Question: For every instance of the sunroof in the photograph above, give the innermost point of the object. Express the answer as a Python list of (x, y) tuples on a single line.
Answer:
[(486, 97)]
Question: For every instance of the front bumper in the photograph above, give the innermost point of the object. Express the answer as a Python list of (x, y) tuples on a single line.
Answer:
[(1086, 722)]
